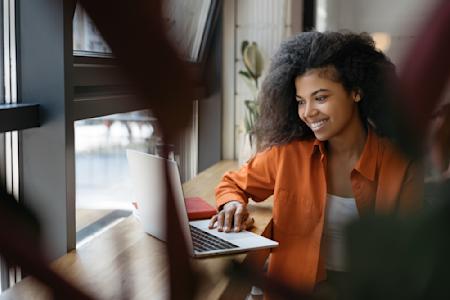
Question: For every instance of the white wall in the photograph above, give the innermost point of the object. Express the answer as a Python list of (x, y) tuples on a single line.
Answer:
[(267, 22), (401, 19), (228, 80)]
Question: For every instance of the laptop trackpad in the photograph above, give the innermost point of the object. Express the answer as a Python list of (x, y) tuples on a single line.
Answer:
[(230, 236)]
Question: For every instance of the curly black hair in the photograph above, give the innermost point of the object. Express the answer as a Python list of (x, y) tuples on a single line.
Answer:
[(358, 66)]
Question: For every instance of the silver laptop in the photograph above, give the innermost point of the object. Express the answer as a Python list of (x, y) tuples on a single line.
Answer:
[(150, 191)]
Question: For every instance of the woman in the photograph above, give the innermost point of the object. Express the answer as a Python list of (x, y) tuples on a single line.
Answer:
[(323, 157)]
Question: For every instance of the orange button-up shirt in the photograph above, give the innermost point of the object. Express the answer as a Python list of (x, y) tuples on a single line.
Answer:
[(383, 181)]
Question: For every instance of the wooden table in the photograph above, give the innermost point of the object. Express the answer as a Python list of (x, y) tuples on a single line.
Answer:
[(124, 262)]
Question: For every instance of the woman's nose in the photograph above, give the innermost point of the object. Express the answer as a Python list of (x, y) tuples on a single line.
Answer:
[(310, 110)]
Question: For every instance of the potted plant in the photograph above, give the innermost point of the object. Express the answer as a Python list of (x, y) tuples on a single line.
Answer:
[(254, 65)]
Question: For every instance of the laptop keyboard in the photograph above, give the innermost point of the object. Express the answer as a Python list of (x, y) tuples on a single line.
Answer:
[(204, 241)]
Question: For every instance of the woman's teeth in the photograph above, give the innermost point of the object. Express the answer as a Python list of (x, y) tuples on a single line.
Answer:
[(317, 125)]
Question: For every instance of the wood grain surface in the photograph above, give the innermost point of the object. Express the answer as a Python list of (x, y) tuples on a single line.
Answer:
[(126, 263)]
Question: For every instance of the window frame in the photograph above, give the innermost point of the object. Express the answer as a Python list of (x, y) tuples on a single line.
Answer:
[(51, 81), (213, 15), (44, 51), (101, 74), (101, 71), (4, 280)]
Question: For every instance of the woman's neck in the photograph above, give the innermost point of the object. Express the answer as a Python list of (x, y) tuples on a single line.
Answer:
[(349, 143)]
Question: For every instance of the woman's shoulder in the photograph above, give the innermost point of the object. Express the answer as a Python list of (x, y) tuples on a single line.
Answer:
[(391, 152), (298, 146)]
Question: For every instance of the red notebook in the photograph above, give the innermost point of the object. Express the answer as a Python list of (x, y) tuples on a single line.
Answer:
[(198, 208)]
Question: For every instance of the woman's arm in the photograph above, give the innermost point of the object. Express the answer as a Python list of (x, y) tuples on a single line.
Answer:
[(256, 180)]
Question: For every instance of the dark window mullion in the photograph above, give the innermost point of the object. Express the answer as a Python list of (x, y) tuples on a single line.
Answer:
[(102, 106), (18, 117)]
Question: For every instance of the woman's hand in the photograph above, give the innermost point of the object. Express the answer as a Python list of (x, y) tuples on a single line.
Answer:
[(233, 216)]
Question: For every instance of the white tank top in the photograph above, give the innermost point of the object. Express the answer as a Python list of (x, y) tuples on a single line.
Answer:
[(338, 213)]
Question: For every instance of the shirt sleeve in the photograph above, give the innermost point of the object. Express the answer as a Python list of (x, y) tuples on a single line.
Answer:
[(411, 194), (255, 179)]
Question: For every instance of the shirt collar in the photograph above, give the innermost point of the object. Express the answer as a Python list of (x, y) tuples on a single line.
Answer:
[(318, 146), (367, 163)]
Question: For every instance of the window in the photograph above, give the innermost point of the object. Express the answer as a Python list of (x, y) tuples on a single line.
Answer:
[(106, 124), (9, 139), (86, 38), (76, 82), (187, 21), (103, 188), (3, 282), (103, 130)]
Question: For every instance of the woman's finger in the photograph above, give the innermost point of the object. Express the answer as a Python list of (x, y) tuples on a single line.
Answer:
[(220, 220), (212, 222), (229, 214), (239, 217)]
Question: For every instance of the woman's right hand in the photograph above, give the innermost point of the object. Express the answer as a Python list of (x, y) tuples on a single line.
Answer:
[(233, 217)]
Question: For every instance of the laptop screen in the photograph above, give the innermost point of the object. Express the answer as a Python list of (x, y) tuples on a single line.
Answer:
[(148, 180)]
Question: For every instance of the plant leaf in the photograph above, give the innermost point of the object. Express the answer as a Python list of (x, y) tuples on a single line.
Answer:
[(253, 60), (244, 45), (251, 115), (245, 74)]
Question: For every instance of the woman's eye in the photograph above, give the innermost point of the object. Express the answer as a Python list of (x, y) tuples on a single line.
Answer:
[(321, 98), (300, 102)]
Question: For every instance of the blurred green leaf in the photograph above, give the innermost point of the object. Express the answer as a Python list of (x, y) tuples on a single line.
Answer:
[(243, 46), (254, 64), (253, 60), (245, 74)]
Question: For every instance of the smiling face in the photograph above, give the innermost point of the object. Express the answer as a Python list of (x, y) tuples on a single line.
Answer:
[(325, 106)]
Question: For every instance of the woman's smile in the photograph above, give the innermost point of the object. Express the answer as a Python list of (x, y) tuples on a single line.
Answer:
[(317, 125)]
